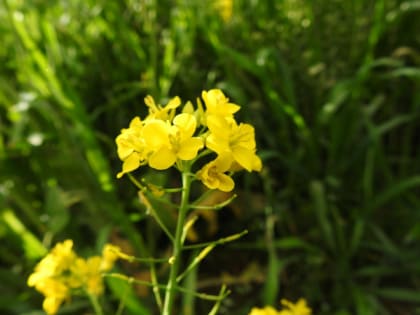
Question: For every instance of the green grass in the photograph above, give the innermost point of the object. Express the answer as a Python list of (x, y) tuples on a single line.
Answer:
[(332, 88)]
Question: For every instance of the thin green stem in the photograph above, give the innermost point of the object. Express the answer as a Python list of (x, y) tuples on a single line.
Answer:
[(204, 296), (95, 303), (177, 245), (143, 260), (135, 182), (223, 240), (223, 293), (216, 206), (188, 299), (155, 283), (161, 224)]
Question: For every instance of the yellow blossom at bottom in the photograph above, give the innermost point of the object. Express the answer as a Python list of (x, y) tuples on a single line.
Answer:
[(298, 308), (268, 310), (61, 272)]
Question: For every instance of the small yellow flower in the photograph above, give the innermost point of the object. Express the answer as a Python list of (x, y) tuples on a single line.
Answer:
[(86, 274), (131, 147), (48, 276), (162, 112), (268, 310), (59, 259), (63, 254), (109, 256), (217, 104), (61, 271), (227, 137), (213, 174), (300, 308)]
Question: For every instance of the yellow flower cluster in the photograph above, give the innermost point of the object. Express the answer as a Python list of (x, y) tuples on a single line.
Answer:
[(300, 308), (61, 273), (164, 139)]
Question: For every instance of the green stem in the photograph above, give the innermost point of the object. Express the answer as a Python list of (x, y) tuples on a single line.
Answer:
[(95, 303), (155, 284), (177, 244)]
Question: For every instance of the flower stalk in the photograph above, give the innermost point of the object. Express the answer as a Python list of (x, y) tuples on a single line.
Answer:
[(177, 245), (95, 303)]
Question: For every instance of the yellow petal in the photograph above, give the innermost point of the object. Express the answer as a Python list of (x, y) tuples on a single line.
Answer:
[(217, 103), (219, 126), (51, 304), (218, 145), (186, 123), (130, 164), (189, 148), (223, 162), (109, 256), (156, 133), (188, 108), (245, 136), (162, 159), (136, 123), (173, 103), (124, 145), (226, 183), (245, 158), (268, 310), (150, 102), (256, 163)]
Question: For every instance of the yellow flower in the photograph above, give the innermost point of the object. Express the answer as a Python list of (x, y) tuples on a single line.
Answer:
[(109, 256), (171, 142), (268, 310), (131, 147), (227, 137), (55, 293), (300, 308), (217, 104), (162, 112), (213, 174), (85, 273), (62, 271), (48, 276), (45, 269), (59, 259)]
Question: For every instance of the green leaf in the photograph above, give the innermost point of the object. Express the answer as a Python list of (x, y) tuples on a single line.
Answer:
[(320, 207), (399, 294), (126, 295), (395, 190), (32, 246)]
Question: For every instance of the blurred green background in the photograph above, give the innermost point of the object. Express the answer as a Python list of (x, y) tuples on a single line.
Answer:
[(332, 88)]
